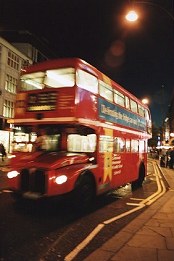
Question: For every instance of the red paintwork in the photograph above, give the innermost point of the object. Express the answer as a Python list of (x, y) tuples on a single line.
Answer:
[(74, 104), (54, 164)]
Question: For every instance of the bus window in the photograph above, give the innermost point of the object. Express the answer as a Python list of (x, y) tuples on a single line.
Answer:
[(81, 143), (127, 103), (28, 141), (133, 106), (64, 77), (87, 81), (32, 81), (141, 111), (147, 115), (134, 146), (148, 121), (119, 98), (119, 145), (142, 146), (128, 145), (105, 144), (105, 91)]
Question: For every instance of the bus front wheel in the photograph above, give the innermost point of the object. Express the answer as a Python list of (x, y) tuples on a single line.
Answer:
[(84, 191)]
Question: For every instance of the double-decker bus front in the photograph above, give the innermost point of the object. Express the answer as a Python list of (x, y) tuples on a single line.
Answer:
[(50, 102)]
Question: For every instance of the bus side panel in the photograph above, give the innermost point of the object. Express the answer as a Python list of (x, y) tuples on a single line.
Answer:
[(112, 169), (86, 104), (131, 167), (118, 171)]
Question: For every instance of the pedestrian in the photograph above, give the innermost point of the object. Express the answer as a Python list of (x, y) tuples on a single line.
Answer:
[(171, 162), (2, 151)]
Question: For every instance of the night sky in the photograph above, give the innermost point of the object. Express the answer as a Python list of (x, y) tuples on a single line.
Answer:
[(140, 56)]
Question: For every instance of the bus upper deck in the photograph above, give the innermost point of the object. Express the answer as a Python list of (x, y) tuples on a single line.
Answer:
[(68, 90)]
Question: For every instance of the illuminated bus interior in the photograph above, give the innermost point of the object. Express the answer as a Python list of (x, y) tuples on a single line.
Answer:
[(56, 138)]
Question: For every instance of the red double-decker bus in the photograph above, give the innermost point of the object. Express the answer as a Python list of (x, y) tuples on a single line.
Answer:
[(95, 133)]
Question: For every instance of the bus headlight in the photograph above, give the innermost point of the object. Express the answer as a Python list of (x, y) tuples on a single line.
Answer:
[(61, 179), (12, 174)]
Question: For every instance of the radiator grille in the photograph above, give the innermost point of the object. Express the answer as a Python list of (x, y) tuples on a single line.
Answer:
[(33, 180)]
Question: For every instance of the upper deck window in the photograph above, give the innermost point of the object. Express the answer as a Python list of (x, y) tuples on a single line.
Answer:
[(119, 98), (147, 115), (127, 103), (87, 81), (141, 110), (57, 78), (133, 106), (106, 91), (64, 77), (32, 81)]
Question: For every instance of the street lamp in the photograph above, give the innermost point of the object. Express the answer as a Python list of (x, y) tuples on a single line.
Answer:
[(132, 15), (145, 101)]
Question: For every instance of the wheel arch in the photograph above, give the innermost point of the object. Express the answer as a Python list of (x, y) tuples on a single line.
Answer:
[(86, 173)]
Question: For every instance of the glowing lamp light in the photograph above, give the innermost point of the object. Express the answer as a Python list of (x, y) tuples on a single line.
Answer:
[(145, 101), (12, 174), (131, 16), (61, 179)]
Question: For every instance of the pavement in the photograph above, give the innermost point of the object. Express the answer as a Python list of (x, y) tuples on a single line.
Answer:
[(149, 237)]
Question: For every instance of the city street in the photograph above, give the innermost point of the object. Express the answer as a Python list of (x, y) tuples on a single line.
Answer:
[(50, 231)]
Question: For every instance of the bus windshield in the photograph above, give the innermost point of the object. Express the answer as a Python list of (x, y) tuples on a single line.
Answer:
[(52, 139)]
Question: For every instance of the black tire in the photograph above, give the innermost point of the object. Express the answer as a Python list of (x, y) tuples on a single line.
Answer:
[(84, 192), (139, 182)]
